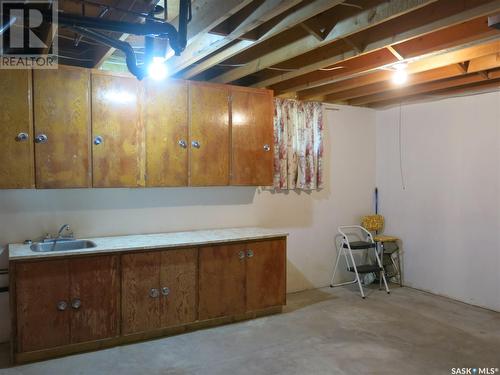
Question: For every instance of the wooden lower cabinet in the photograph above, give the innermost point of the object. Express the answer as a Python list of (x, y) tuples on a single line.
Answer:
[(266, 274), (40, 286), (59, 302), (178, 282), (222, 281), (158, 289), (73, 304), (241, 278), (94, 284), (140, 274)]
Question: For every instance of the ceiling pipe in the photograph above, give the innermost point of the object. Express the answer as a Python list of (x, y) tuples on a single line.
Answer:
[(130, 58), (152, 27)]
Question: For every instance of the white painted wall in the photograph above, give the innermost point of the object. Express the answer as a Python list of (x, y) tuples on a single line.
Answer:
[(311, 218), (448, 216)]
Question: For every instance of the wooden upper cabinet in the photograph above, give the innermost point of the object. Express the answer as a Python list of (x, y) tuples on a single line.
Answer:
[(140, 292), (178, 282), (166, 121), (40, 286), (62, 128), (94, 298), (16, 130), (209, 134), (117, 132), (266, 274), (221, 281), (252, 137)]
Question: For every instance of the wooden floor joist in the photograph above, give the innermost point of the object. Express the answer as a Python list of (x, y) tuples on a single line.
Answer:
[(484, 56), (320, 49), (343, 29), (301, 79)]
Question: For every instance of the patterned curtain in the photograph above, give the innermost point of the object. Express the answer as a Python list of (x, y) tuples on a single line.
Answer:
[(298, 145)]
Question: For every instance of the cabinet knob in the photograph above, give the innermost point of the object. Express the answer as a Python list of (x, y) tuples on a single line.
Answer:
[(41, 138), (76, 303), (183, 143), (249, 253), (196, 144), (165, 291), (267, 148), (98, 140), (241, 255), (21, 137), (62, 305), (154, 293)]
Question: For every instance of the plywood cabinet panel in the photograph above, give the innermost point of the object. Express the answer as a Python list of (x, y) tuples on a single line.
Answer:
[(209, 127), (40, 286), (166, 123), (179, 271), (252, 137), (118, 155), (140, 306), (16, 167), (95, 284), (266, 274), (62, 114), (221, 281)]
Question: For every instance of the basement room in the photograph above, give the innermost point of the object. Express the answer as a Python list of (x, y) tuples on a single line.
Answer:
[(249, 187)]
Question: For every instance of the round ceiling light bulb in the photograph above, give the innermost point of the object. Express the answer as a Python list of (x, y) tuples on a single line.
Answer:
[(157, 70), (400, 75)]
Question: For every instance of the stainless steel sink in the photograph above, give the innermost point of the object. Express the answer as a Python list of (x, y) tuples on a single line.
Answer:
[(62, 245)]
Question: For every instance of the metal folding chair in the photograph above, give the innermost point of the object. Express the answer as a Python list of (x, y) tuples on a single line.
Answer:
[(346, 247)]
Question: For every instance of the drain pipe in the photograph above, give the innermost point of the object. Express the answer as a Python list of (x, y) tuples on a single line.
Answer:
[(126, 48)]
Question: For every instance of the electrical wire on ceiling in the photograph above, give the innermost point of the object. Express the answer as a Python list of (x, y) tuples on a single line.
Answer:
[(74, 58), (352, 5)]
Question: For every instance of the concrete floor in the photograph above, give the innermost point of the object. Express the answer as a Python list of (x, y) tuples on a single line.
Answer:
[(325, 331)]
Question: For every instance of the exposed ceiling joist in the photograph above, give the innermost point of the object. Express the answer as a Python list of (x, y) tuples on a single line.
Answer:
[(343, 29), (287, 82), (209, 13), (418, 89), (453, 90), (448, 71), (395, 52), (301, 15), (387, 85), (439, 59), (205, 44)]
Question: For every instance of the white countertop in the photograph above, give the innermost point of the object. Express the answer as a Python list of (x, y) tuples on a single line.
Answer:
[(152, 241)]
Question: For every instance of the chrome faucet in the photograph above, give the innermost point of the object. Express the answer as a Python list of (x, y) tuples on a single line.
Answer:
[(63, 228)]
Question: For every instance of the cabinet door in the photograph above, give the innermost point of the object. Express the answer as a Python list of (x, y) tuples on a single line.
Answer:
[(95, 287), (179, 270), (62, 114), (166, 123), (209, 127), (117, 132), (16, 130), (40, 286), (252, 137), (140, 292), (221, 281), (266, 274)]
